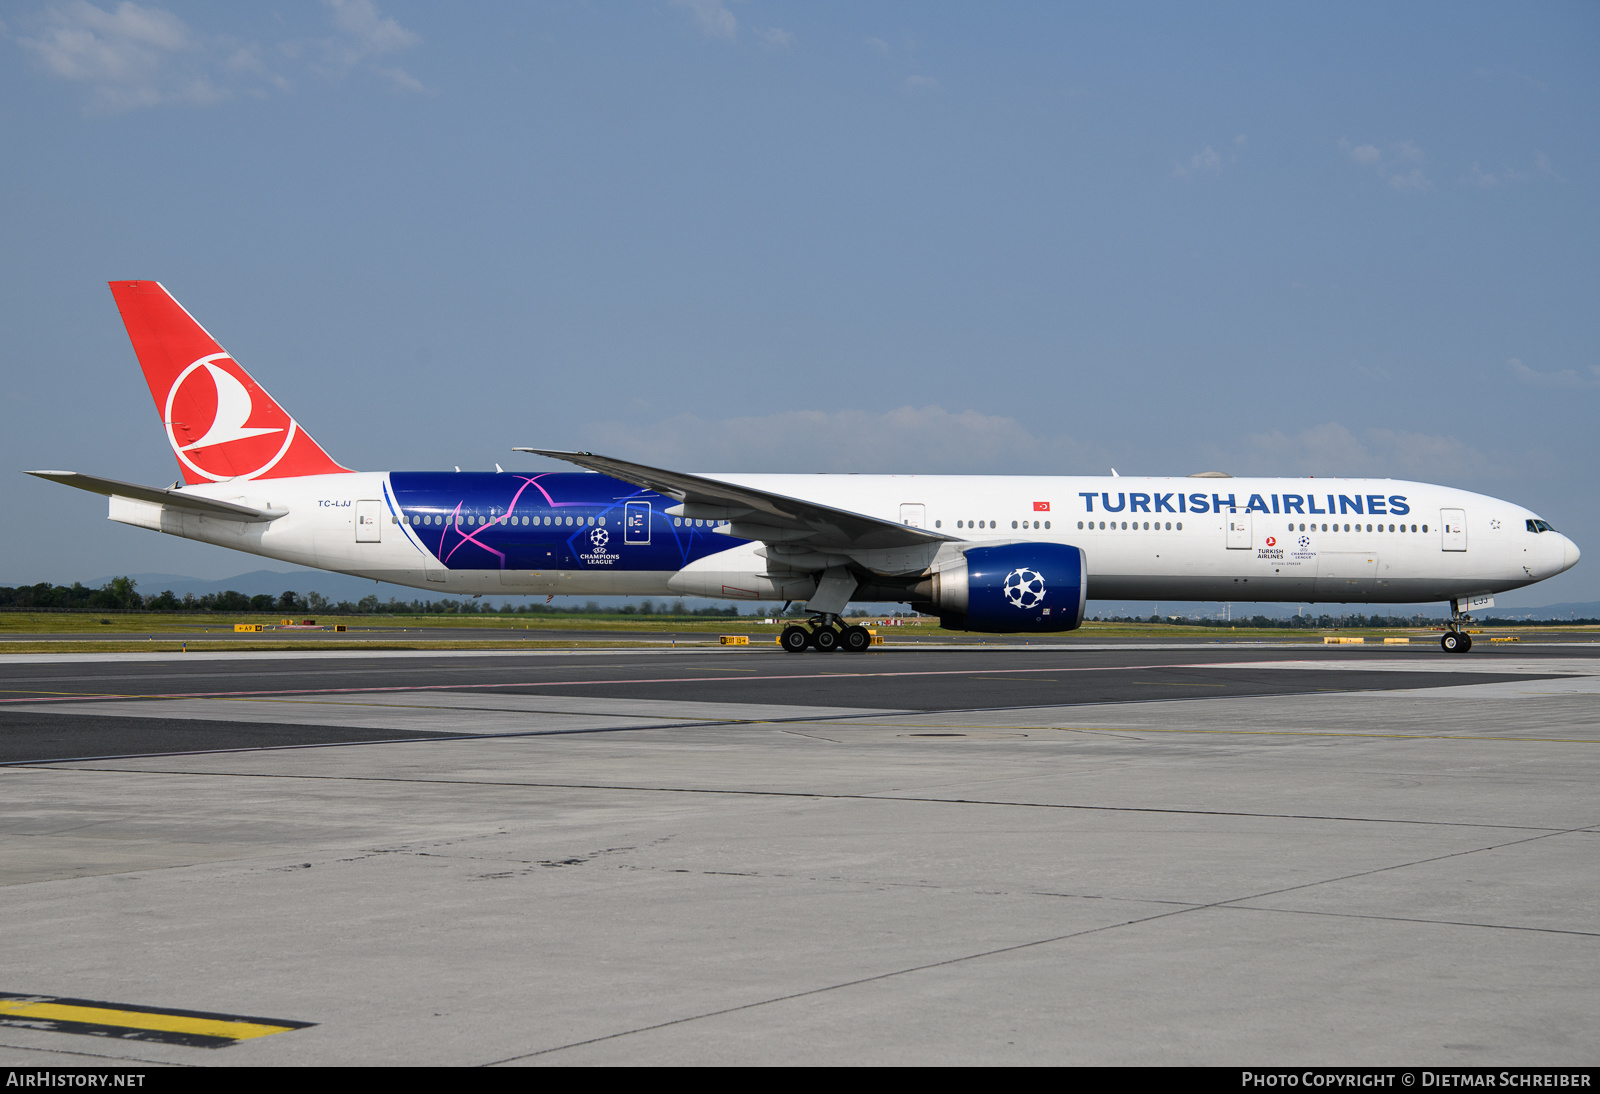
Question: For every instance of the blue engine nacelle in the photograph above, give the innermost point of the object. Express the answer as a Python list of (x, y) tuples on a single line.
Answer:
[(1016, 588)]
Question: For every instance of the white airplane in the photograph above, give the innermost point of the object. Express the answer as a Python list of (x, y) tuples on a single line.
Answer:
[(1002, 554)]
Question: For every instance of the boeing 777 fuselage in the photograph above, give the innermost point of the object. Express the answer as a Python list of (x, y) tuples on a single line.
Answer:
[(984, 553)]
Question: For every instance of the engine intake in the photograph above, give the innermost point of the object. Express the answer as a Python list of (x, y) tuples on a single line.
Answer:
[(1017, 588)]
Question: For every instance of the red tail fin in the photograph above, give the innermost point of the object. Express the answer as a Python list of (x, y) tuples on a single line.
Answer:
[(220, 422)]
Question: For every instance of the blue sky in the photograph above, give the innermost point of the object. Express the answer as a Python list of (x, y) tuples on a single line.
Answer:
[(1267, 239)]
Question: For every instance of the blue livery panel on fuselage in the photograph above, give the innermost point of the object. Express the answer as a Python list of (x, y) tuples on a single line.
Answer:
[(559, 520)]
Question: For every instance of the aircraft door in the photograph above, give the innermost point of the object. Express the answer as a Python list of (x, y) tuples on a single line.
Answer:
[(914, 515), (1344, 576), (636, 523), (368, 528), (1453, 527), (1241, 532)]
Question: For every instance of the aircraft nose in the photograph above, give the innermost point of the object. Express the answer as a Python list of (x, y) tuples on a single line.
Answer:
[(1570, 554)]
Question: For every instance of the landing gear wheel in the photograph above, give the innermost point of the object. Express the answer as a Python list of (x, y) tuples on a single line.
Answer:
[(794, 639), (826, 639), (1466, 643), (1455, 642), (856, 640)]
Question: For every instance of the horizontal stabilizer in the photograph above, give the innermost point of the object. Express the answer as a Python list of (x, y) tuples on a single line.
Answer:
[(177, 499), (772, 517)]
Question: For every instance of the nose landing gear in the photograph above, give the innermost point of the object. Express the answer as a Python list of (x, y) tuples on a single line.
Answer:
[(1455, 639)]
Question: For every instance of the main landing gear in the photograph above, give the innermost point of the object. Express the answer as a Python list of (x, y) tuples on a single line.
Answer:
[(824, 633)]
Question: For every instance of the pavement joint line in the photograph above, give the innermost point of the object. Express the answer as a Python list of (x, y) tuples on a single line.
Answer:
[(812, 795), (1414, 919), (1406, 865), (998, 951)]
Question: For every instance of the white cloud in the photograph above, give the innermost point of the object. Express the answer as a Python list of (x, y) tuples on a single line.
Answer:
[(1332, 449), (1400, 167), (126, 58), (918, 440), (132, 56), (1412, 180), (775, 38), (1505, 176), (1204, 162), (367, 33), (878, 44), (921, 83), (364, 35), (712, 16), (1208, 161), (1565, 378)]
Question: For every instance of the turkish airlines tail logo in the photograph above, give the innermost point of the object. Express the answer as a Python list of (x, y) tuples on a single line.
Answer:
[(219, 421)]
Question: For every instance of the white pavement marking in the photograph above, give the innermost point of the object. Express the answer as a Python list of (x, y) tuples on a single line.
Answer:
[(1583, 666)]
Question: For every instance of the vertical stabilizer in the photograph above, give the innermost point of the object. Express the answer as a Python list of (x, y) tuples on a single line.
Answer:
[(220, 422)]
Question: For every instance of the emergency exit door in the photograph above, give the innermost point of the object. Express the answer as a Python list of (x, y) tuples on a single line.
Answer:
[(636, 522), (368, 530), (1453, 529), (1240, 532)]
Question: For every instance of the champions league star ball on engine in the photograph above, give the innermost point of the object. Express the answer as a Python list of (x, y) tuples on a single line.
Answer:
[(1024, 588)]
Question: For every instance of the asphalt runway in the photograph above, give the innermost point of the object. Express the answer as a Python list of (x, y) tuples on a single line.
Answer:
[(1083, 853)]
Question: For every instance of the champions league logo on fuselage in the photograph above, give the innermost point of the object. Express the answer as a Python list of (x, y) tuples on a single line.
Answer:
[(599, 537), (215, 425)]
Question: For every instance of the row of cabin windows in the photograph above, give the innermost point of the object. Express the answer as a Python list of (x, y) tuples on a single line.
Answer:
[(1114, 527), (990, 524), (472, 520), (1369, 528)]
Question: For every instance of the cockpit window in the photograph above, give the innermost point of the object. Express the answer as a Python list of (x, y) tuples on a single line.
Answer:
[(1539, 526)]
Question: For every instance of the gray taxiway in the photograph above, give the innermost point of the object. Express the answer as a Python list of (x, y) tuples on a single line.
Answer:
[(1228, 855)]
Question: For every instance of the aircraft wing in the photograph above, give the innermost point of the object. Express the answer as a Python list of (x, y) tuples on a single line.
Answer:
[(757, 514), (111, 488)]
